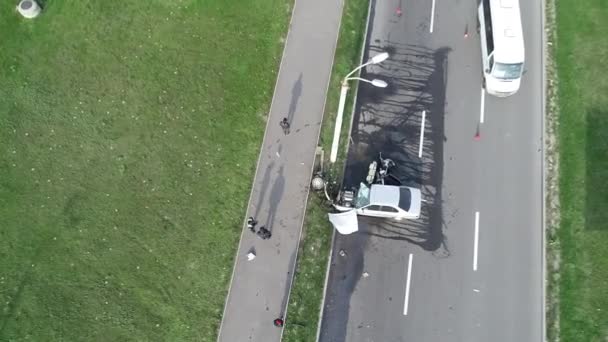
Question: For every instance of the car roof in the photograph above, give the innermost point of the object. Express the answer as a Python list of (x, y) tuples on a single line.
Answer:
[(507, 30), (384, 195)]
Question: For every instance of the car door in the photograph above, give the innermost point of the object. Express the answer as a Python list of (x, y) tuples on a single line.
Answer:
[(390, 212), (346, 222), (380, 211), (372, 210)]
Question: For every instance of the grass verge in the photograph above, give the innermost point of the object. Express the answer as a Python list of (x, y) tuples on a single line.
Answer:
[(581, 53), (552, 212), (307, 290), (129, 133)]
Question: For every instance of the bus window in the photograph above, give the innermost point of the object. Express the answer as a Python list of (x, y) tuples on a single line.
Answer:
[(487, 15)]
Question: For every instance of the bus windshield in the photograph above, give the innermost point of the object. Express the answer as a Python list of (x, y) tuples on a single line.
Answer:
[(507, 71)]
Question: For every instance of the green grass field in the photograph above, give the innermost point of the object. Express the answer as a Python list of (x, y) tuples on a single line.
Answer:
[(582, 56), (307, 291), (129, 133)]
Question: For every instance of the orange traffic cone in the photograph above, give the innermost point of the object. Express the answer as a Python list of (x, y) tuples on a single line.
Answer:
[(477, 136)]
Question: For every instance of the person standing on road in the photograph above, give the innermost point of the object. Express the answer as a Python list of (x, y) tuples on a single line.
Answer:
[(251, 222), (285, 126)]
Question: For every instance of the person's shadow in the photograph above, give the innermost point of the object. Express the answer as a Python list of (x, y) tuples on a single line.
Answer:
[(263, 187), (296, 92), (276, 194)]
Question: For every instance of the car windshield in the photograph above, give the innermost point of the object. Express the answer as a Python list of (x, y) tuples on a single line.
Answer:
[(507, 71), (362, 196), (405, 198)]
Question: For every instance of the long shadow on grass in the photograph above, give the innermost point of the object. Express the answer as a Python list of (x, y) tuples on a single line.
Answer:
[(10, 313), (596, 173)]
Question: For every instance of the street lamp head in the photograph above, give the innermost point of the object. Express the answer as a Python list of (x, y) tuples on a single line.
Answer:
[(379, 83), (379, 58)]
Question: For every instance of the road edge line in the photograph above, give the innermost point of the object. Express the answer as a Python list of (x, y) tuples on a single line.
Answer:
[(331, 250), (322, 307), (543, 52)]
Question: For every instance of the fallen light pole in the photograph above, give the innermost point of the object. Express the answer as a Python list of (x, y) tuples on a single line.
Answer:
[(379, 58)]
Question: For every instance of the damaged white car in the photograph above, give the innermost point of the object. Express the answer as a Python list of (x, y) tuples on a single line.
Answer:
[(377, 200)]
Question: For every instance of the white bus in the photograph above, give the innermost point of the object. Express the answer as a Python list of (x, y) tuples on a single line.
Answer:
[(502, 46)]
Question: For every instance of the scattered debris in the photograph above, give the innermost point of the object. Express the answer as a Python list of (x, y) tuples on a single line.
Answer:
[(250, 256), (365, 274), (264, 233), (342, 253)]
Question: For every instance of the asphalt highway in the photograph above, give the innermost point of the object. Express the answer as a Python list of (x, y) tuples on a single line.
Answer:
[(471, 268)]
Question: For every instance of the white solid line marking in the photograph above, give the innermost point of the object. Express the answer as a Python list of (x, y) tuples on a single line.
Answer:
[(422, 134), (476, 243), (432, 16), (407, 285), (483, 104)]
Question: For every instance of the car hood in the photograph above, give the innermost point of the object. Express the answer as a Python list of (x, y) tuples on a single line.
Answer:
[(345, 222), (502, 88)]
